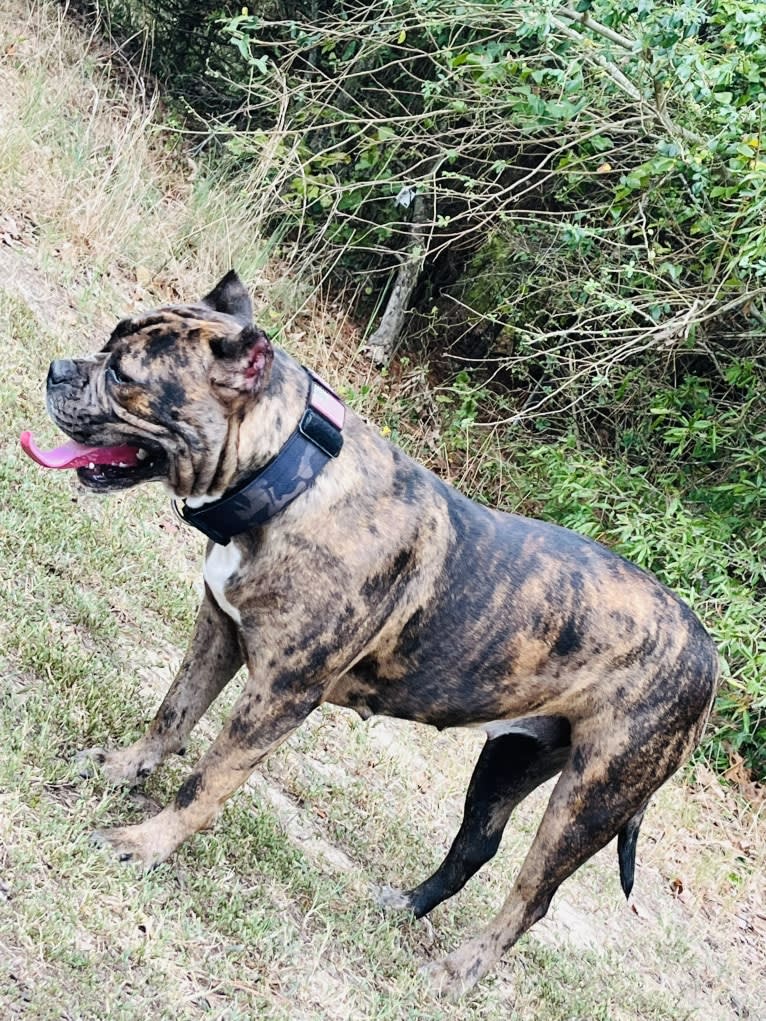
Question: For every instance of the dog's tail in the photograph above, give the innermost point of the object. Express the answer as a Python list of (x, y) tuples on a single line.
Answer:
[(626, 849)]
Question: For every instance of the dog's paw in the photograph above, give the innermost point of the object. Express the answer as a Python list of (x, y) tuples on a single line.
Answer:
[(445, 980), (121, 767), (452, 976), (134, 845), (88, 762), (391, 899)]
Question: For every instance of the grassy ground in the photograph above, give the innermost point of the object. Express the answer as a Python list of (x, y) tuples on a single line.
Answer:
[(270, 915)]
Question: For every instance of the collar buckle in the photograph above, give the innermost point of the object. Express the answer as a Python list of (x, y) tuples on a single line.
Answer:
[(314, 427), (322, 421)]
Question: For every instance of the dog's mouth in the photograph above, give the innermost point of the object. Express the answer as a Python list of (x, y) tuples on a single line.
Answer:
[(115, 467)]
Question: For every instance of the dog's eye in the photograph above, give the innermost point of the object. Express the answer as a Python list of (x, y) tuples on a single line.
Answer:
[(115, 376)]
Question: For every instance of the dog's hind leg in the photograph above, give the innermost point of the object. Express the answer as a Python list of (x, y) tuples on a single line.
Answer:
[(510, 766), (212, 659), (608, 778)]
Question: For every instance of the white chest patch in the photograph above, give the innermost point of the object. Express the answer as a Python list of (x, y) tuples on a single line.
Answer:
[(221, 564)]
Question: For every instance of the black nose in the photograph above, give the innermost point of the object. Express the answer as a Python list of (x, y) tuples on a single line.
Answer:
[(63, 370)]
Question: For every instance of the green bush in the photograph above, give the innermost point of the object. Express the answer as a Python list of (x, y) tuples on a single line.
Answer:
[(582, 186)]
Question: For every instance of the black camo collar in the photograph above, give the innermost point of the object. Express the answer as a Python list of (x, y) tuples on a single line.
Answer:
[(317, 439)]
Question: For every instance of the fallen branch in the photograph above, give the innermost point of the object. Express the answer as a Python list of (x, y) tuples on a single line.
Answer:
[(381, 344)]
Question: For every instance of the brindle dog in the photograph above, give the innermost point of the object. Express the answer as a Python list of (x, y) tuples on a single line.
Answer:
[(382, 589)]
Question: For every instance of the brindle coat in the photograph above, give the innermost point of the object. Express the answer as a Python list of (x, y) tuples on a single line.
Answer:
[(384, 590)]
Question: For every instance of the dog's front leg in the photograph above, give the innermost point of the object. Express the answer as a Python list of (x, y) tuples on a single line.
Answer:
[(212, 659), (259, 722)]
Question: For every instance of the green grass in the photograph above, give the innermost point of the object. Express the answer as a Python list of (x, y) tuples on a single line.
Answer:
[(270, 915)]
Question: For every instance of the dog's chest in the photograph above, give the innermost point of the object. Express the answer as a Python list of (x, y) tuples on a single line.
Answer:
[(221, 564)]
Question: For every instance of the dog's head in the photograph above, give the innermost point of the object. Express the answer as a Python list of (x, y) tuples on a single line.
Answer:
[(157, 402)]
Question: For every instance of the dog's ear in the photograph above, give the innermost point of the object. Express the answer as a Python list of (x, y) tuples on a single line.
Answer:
[(230, 297), (242, 363)]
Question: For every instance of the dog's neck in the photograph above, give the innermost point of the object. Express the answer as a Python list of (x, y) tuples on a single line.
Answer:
[(283, 461), (257, 433)]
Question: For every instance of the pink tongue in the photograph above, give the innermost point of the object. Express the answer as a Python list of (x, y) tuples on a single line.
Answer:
[(77, 455)]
